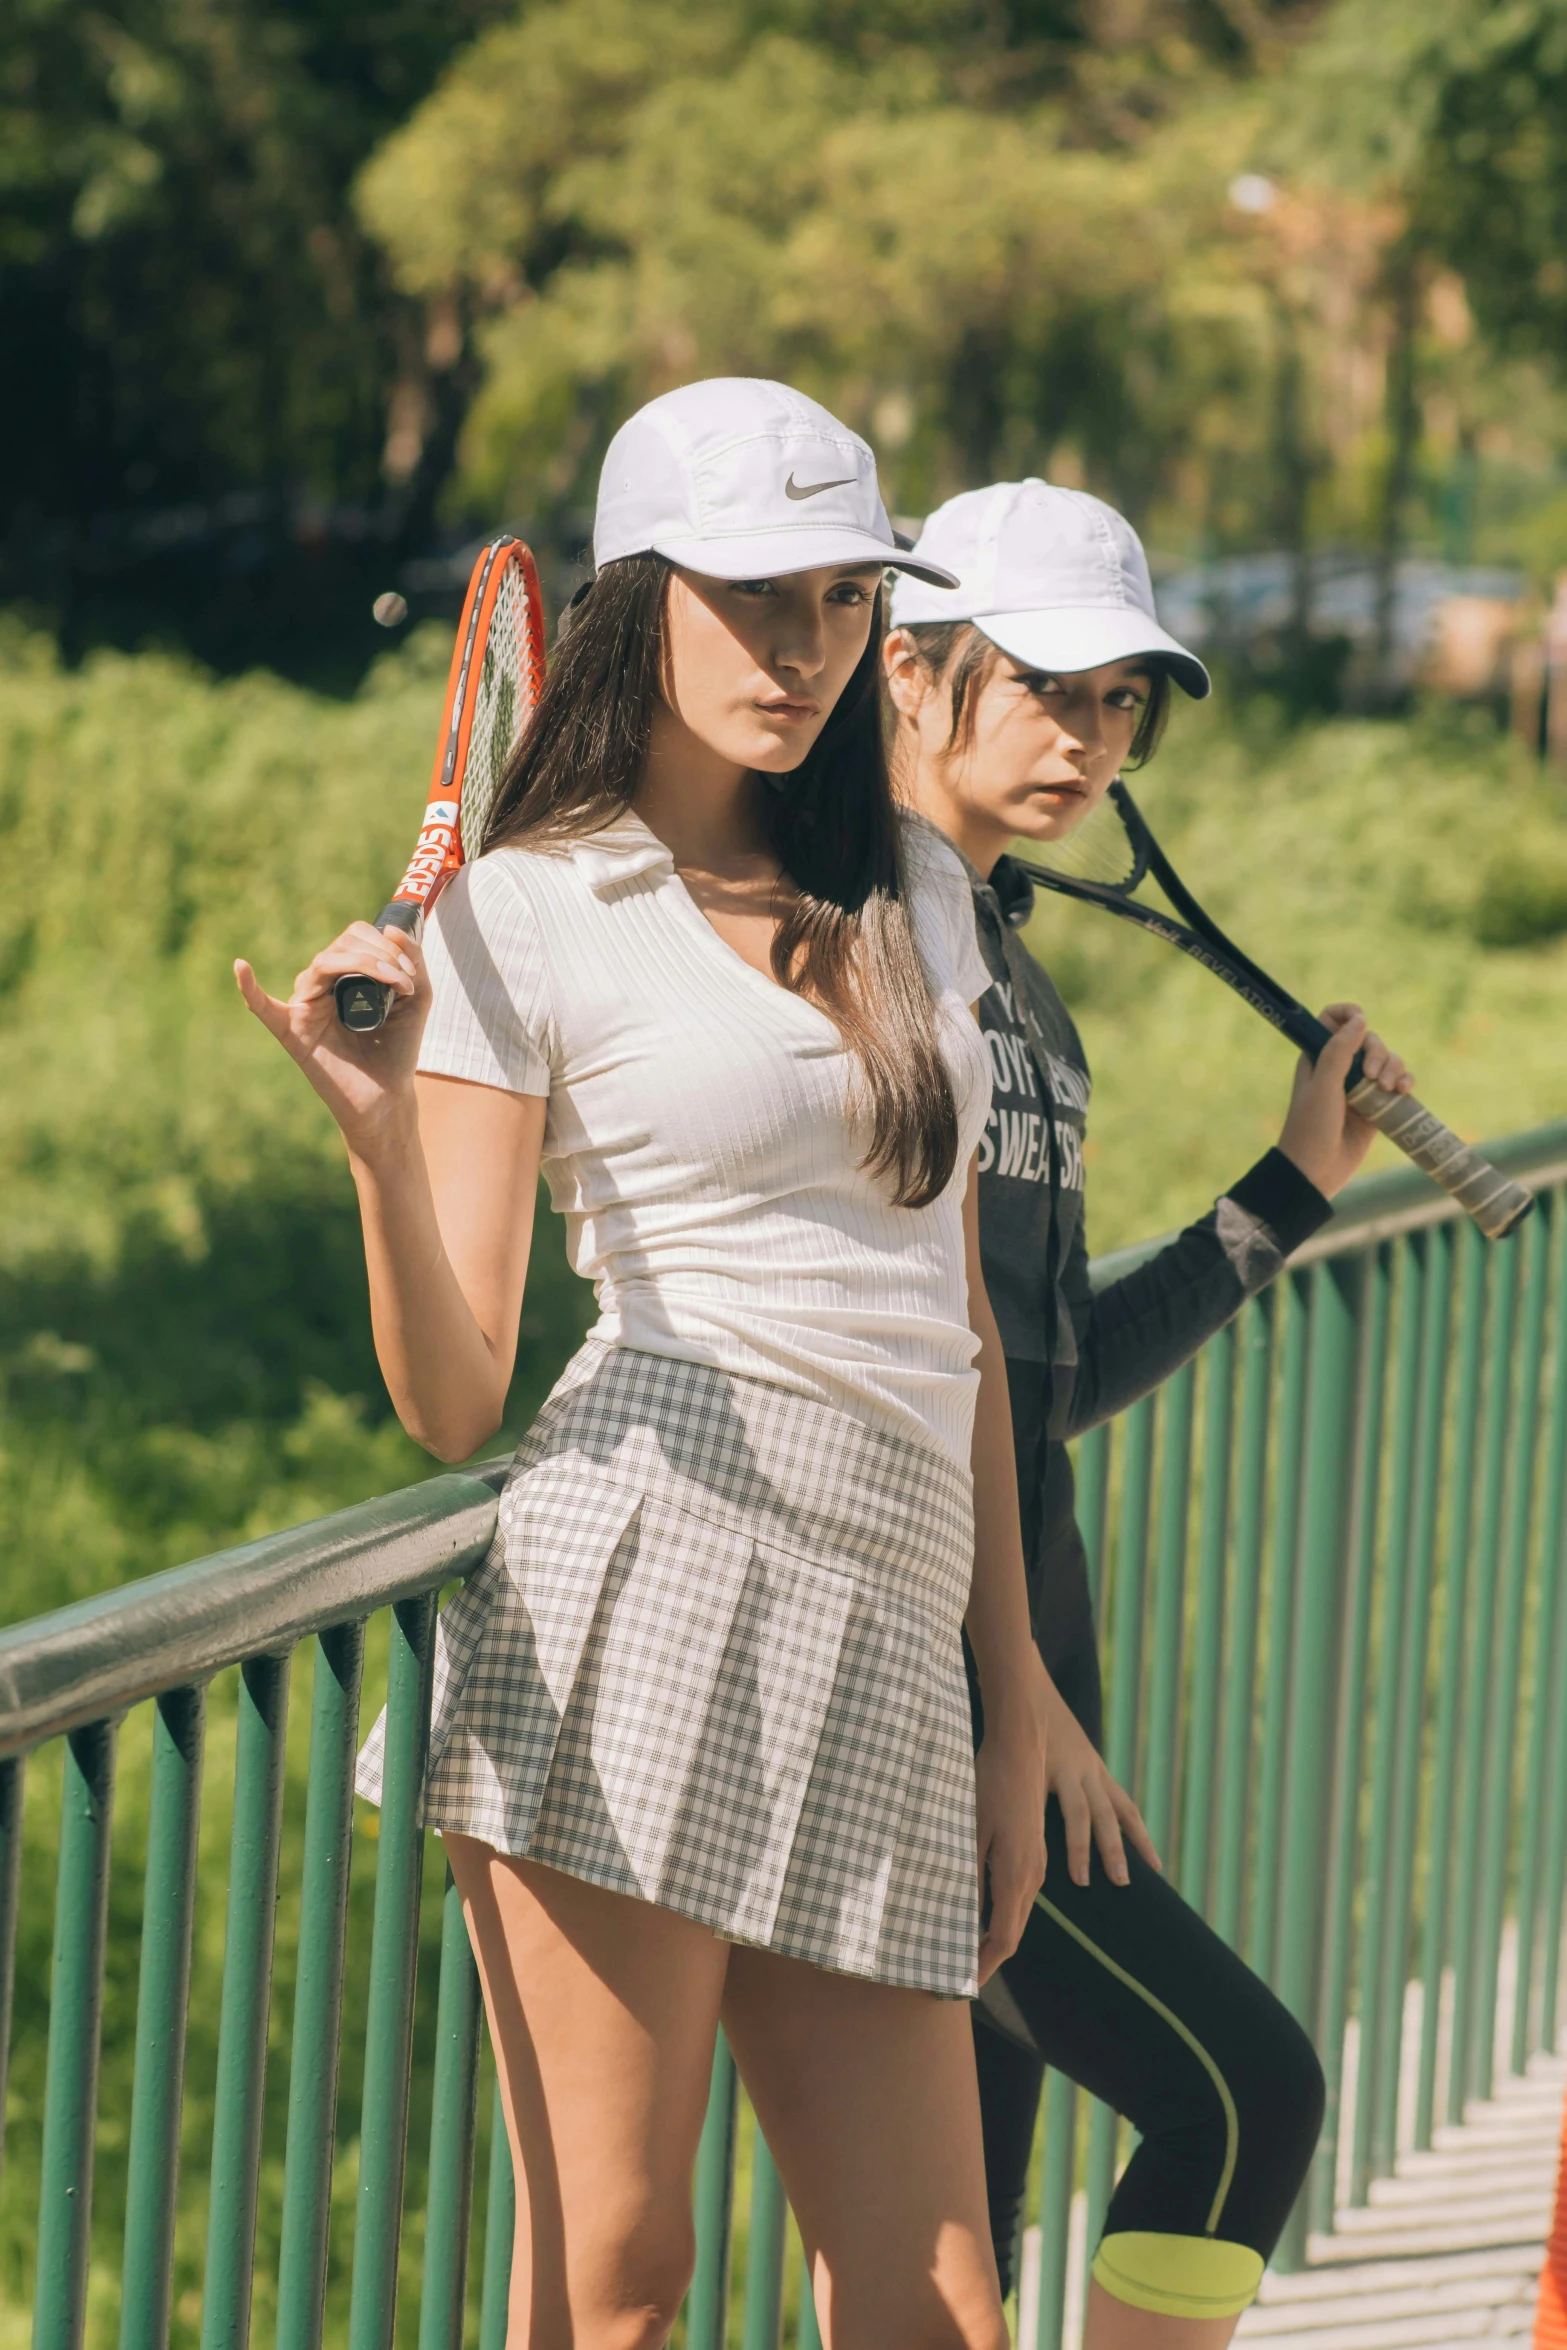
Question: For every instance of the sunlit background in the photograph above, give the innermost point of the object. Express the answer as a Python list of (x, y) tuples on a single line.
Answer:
[(299, 302)]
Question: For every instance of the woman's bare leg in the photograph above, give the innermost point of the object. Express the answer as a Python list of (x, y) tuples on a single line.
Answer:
[(1115, 2325), (602, 2012), (869, 2102)]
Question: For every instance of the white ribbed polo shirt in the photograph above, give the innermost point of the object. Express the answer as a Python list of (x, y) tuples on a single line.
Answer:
[(699, 1141)]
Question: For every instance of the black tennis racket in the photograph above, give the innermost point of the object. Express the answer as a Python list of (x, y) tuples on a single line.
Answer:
[(1105, 862)]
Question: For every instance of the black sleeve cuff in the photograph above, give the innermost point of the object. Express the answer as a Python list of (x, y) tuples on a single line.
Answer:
[(1280, 1196)]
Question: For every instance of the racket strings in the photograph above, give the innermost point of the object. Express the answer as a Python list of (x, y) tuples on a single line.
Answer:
[(1099, 850), (504, 694)]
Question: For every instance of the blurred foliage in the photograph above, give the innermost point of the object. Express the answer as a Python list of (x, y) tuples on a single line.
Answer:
[(1461, 108), (184, 1342), (981, 245), (200, 309), (185, 1354), (1285, 273), (1100, 246)]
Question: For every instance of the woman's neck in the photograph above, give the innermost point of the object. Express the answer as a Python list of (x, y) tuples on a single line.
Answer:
[(981, 838), (700, 804)]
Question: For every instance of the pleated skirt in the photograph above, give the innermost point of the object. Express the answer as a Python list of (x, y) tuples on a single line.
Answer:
[(713, 1660)]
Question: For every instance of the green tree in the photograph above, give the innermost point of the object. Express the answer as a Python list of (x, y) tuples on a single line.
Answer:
[(199, 310), (985, 238)]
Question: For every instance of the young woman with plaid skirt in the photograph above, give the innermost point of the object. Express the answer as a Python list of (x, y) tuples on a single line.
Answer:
[(701, 1748)]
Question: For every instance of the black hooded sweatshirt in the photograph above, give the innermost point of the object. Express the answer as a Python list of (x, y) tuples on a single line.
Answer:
[(1077, 1355)]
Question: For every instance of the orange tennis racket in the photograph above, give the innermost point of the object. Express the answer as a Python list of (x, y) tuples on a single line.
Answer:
[(497, 671)]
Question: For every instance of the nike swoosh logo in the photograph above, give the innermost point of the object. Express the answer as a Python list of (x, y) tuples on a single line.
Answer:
[(814, 489)]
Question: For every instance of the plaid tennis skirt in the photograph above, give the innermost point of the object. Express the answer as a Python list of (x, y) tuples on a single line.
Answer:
[(713, 1660)]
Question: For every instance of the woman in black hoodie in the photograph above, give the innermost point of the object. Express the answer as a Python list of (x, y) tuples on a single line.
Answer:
[(1019, 697)]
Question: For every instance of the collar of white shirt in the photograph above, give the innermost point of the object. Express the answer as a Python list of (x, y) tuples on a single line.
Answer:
[(619, 853)]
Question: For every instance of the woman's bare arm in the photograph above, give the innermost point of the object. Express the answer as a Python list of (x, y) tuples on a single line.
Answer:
[(1010, 1766), (447, 1206), (446, 1172)]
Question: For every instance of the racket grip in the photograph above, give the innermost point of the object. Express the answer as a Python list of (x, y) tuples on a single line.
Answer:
[(1493, 1199), (363, 1003)]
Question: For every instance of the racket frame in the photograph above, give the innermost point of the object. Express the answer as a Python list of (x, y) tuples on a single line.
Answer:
[(1498, 1206), (363, 1003)]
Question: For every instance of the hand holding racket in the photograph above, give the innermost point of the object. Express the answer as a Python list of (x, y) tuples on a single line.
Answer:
[(1106, 860)]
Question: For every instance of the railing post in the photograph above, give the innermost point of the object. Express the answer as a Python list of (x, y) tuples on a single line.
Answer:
[(394, 1954), (1093, 1501), (707, 2305), (75, 2026), (1435, 1250), (1534, 1860), (809, 2336), (1202, 1734), (168, 1914), (318, 1988), (246, 1999), (13, 1780), (500, 2229), (1339, 1906), (763, 2319), (1554, 1895), (1329, 1439), (1501, 1761), (1161, 1761), (1477, 1690), (1240, 1670), (1473, 1267), (1262, 1945), (1055, 2211), (1375, 1881), (449, 2202)]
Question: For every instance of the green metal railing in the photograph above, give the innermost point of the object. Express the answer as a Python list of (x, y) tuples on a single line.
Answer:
[(1328, 1560)]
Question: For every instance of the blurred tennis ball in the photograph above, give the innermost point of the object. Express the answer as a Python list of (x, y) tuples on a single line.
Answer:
[(391, 610)]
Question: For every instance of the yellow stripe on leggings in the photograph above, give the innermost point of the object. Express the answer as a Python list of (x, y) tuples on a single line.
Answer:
[(1179, 2276), (1232, 2127)]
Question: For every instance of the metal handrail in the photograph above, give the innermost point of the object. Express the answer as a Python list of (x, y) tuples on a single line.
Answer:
[(1364, 1657), (96, 1659), (1384, 1205), (104, 1654)]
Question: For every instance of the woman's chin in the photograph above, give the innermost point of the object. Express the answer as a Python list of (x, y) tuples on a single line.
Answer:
[(780, 752), (1052, 819)]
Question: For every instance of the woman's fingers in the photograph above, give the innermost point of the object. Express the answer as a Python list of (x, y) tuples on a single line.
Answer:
[(268, 1010), (1077, 1812), (1345, 1042), (1135, 1826), (1386, 1067), (346, 957), (1013, 1885), (1107, 1835)]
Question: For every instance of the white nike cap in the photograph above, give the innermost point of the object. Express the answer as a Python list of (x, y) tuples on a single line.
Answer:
[(739, 478), (1054, 577)]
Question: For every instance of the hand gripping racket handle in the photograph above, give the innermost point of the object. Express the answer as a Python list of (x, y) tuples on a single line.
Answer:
[(362, 1004), (1496, 1203)]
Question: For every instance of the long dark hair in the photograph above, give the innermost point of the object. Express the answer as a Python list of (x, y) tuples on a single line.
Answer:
[(959, 654), (846, 940)]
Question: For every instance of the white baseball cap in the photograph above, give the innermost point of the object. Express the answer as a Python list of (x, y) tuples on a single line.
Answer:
[(1054, 577), (739, 478)]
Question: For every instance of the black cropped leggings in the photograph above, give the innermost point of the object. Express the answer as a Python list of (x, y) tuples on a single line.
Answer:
[(1127, 1992)]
